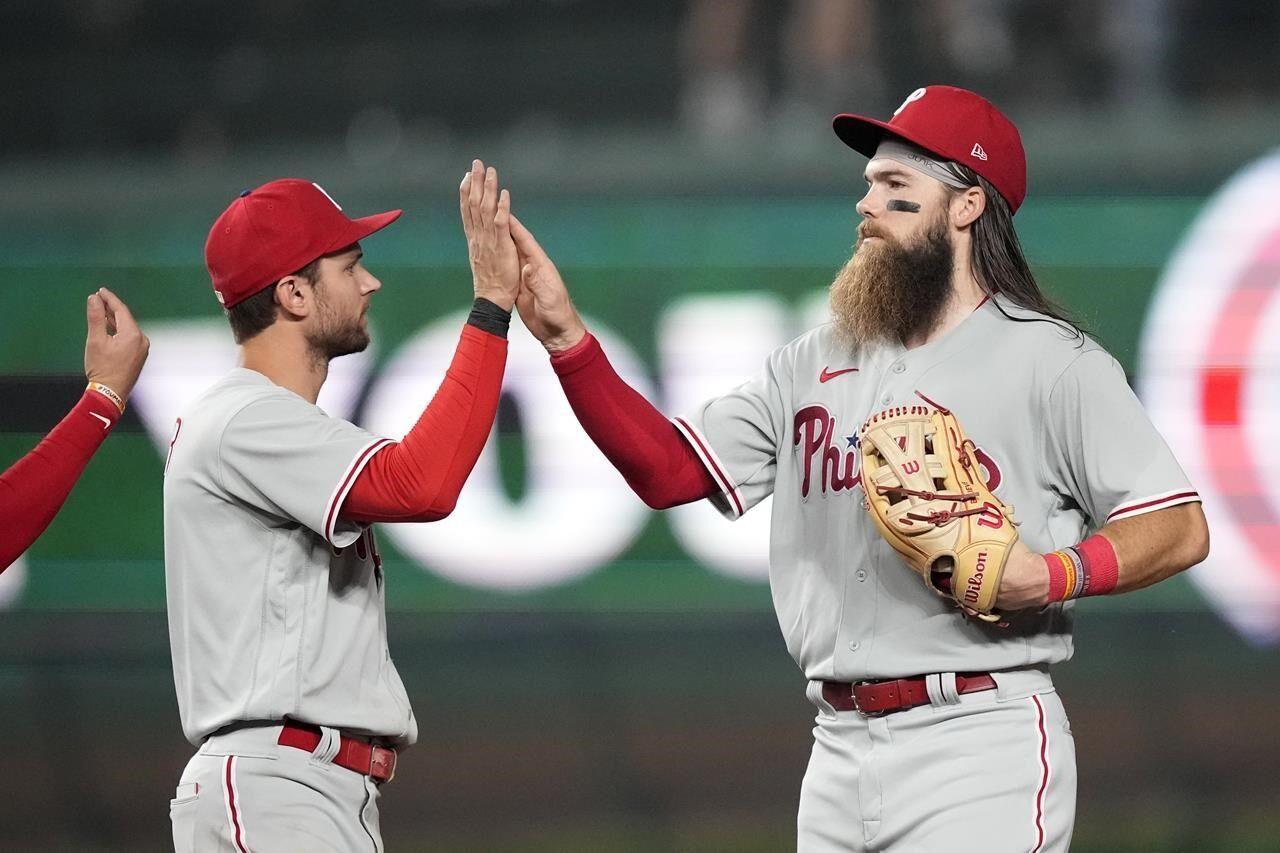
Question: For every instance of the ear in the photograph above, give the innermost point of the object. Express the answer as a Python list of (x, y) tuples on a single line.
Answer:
[(295, 296), (967, 205)]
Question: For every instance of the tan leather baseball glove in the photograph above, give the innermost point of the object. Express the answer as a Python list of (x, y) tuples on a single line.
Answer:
[(926, 494)]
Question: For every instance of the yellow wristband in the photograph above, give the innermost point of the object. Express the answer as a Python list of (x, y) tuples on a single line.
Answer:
[(109, 394)]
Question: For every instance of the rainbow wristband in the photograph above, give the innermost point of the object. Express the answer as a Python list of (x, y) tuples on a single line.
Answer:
[(1090, 568), (109, 394)]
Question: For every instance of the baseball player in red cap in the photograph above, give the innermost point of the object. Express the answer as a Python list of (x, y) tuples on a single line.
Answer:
[(275, 589), (34, 488), (936, 730)]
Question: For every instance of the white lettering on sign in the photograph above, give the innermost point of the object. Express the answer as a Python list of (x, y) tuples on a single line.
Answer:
[(577, 514), (707, 346)]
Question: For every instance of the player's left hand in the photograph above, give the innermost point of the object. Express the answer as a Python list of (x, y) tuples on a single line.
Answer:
[(1025, 582), (486, 220)]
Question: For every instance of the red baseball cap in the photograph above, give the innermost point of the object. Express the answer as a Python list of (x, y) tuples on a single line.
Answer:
[(277, 229), (954, 124)]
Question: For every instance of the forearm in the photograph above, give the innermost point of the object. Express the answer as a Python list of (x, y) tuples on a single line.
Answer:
[(645, 447), (35, 487), (420, 478), (1156, 546), (1123, 556)]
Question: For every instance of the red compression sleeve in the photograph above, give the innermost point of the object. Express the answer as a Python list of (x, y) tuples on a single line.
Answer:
[(419, 479), (34, 489), (645, 447)]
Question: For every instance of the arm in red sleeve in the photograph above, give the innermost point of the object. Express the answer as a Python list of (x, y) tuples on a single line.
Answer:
[(419, 479), (34, 489), (645, 447)]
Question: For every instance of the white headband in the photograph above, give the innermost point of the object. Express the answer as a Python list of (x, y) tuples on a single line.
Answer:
[(918, 159)]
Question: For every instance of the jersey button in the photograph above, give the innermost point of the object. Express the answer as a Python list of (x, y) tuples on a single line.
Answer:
[(862, 574), (853, 647), (886, 399), (899, 367)]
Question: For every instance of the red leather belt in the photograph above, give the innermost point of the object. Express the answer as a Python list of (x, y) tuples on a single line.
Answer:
[(376, 762), (875, 698)]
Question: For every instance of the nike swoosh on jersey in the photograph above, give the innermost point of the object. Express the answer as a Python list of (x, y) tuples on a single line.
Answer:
[(832, 374), (106, 423)]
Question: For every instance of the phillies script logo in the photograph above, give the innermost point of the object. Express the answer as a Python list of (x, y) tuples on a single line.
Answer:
[(815, 427), (1209, 358), (831, 458)]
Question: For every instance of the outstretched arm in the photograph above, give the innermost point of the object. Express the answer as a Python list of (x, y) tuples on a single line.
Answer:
[(420, 478), (35, 487), (645, 447), (642, 444)]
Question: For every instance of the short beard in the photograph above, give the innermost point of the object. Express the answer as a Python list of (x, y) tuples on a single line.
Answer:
[(890, 293), (334, 337)]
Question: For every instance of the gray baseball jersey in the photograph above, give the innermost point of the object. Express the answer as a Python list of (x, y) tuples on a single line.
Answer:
[(276, 604), (1061, 437)]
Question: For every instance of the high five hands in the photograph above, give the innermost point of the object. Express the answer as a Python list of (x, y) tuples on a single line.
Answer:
[(486, 218), (509, 268)]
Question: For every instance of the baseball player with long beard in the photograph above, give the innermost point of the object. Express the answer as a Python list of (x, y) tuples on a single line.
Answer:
[(938, 726), (275, 588)]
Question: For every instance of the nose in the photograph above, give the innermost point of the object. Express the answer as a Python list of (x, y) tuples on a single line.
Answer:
[(371, 283), (864, 206)]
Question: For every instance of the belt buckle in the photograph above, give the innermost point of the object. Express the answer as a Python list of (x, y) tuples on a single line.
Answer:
[(853, 694), (382, 764)]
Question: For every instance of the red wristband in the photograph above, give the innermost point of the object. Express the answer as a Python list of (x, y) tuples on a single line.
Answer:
[(1058, 563), (1103, 566), (1090, 568)]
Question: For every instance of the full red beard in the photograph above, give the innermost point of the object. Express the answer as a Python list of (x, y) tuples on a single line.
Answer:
[(889, 292)]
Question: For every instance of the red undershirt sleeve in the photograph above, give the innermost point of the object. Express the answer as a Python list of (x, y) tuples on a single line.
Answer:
[(420, 478), (35, 487), (642, 444)]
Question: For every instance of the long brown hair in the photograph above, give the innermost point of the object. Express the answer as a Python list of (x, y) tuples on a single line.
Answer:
[(998, 262)]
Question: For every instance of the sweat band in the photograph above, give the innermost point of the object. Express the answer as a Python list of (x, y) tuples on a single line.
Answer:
[(490, 317), (1090, 568), (918, 159)]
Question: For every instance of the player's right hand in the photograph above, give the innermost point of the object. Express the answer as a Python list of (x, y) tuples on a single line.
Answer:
[(116, 349), (486, 211), (544, 303)]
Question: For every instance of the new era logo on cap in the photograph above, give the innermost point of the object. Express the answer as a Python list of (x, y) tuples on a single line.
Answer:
[(274, 231), (945, 121)]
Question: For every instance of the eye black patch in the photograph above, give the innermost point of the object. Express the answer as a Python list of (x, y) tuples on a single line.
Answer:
[(903, 206)]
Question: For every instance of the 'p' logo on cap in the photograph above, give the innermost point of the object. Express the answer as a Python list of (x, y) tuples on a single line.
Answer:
[(914, 96), (326, 194)]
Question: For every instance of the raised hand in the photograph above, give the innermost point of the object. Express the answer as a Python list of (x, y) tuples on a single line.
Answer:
[(116, 349), (544, 303), (495, 271)]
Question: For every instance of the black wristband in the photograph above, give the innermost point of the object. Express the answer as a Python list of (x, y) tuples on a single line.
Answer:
[(490, 317)]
